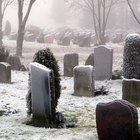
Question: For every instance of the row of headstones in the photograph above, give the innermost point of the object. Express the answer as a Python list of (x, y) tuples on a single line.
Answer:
[(115, 120), (101, 60)]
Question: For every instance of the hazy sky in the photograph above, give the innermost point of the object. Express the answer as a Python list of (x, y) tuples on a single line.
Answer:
[(40, 14)]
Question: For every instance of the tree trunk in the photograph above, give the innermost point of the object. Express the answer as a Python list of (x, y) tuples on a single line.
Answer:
[(1, 24), (20, 39)]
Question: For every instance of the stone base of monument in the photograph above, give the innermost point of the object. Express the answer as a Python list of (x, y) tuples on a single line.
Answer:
[(131, 91)]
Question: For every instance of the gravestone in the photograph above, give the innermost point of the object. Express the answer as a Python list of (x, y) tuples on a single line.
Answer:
[(70, 61), (84, 80), (90, 60), (117, 120), (48, 39), (43, 100), (5, 72), (103, 59), (14, 61)]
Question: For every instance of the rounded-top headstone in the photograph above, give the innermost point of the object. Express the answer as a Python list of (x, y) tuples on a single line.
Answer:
[(131, 57)]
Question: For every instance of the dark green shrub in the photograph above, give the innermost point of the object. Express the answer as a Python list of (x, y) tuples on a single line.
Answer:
[(131, 57)]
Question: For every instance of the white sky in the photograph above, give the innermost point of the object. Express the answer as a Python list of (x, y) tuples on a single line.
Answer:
[(40, 14)]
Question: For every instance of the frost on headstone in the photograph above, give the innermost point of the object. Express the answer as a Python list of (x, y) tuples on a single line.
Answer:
[(42, 89), (131, 58), (83, 80)]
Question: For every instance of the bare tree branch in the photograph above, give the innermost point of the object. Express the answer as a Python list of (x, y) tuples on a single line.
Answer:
[(133, 12)]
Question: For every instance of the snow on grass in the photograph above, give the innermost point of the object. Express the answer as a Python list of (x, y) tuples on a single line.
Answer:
[(78, 109)]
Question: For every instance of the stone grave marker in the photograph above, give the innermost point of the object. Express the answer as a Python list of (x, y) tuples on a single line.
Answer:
[(103, 59), (70, 61), (42, 90), (90, 60), (84, 80), (5, 72), (117, 120)]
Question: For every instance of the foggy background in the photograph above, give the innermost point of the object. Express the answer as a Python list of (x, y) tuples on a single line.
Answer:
[(48, 14)]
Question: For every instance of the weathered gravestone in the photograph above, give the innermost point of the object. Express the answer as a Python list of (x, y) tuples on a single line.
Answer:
[(90, 60), (131, 69), (5, 72), (43, 99), (48, 39), (117, 120), (84, 80), (103, 59), (14, 61), (70, 61)]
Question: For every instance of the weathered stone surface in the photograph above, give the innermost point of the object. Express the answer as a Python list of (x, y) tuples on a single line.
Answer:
[(14, 61), (117, 120), (42, 90), (131, 91), (5, 72), (84, 80), (48, 39), (103, 59), (70, 61), (90, 60)]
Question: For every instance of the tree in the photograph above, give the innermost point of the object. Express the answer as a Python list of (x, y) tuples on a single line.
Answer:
[(3, 5), (22, 23), (99, 10), (131, 8)]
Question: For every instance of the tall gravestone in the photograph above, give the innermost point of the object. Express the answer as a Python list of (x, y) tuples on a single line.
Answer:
[(131, 69), (117, 120), (103, 59), (70, 61), (5, 72), (42, 89), (84, 80)]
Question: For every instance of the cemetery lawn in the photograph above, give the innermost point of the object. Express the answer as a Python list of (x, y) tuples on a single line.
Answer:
[(81, 110)]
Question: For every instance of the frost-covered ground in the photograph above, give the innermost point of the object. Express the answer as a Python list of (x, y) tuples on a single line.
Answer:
[(81, 109)]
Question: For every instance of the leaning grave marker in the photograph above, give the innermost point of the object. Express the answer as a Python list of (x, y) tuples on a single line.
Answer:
[(5, 72), (103, 59), (70, 61), (42, 92)]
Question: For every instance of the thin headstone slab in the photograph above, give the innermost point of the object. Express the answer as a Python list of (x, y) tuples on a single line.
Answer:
[(83, 80), (41, 91), (117, 120), (103, 59), (5, 72), (70, 61)]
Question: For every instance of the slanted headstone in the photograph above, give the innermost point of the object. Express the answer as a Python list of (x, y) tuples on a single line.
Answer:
[(84, 80), (103, 59), (14, 61), (42, 89), (5, 72), (70, 61), (117, 120), (90, 60)]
